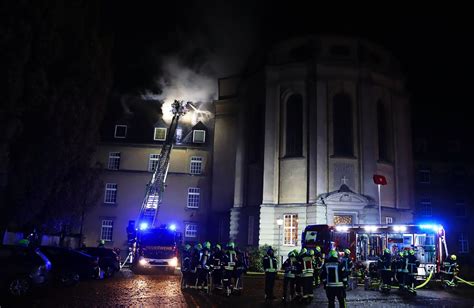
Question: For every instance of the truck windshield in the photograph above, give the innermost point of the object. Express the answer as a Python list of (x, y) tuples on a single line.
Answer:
[(158, 238)]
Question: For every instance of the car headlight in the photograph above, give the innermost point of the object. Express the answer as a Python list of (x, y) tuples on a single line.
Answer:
[(142, 261), (174, 262)]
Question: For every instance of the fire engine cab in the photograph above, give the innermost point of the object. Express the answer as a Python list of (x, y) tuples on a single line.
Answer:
[(367, 242)]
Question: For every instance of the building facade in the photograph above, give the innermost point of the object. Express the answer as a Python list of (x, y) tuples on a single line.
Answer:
[(128, 153), (316, 120)]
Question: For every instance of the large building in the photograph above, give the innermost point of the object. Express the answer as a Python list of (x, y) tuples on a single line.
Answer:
[(296, 138)]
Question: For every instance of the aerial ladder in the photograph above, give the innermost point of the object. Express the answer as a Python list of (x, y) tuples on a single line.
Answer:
[(156, 186)]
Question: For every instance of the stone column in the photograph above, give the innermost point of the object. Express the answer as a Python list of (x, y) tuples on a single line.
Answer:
[(312, 138), (321, 138)]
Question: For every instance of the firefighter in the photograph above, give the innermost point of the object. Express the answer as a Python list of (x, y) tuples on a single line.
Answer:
[(230, 259), (270, 267), (217, 257), (384, 264), (307, 279), (332, 275), (195, 257), (203, 267), (318, 264), (398, 266), (412, 266), (449, 271), (289, 266), (186, 265), (299, 273), (240, 267), (101, 244), (346, 261)]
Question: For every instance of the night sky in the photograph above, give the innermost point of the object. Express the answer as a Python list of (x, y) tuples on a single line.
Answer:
[(432, 44)]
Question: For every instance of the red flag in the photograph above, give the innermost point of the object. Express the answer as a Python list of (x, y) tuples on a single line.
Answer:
[(380, 179)]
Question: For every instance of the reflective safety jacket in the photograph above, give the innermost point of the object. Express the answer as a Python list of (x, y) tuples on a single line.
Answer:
[(412, 264), (307, 269), (231, 260), (269, 264), (347, 263), (290, 267), (332, 273), (186, 260), (450, 267), (384, 263), (204, 258), (216, 258)]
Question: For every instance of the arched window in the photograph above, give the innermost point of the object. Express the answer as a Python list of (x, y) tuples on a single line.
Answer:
[(384, 132), (294, 126), (342, 125)]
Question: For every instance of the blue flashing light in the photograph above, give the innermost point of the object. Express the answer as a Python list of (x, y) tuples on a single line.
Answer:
[(172, 227), (143, 226), (433, 227)]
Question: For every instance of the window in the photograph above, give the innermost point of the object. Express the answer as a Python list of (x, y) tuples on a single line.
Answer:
[(426, 208), (290, 229), (195, 166), (342, 126), (153, 162), (251, 227), (107, 230), (294, 126), (388, 220), (384, 133), (199, 136), (160, 134), (178, 135), (460, 209), (194, 194), (190, 230), (463, 243), (110, 193), (120, 131), (114, 161), (343, 219), (424, 176)]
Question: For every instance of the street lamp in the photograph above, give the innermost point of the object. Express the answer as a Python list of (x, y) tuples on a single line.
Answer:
[(279, 223), (380, 180)]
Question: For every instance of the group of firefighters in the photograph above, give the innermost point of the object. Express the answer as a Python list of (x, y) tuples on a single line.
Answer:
[(223, 266), (303, 270)]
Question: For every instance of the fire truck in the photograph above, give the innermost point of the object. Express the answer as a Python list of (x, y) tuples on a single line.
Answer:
[(367, 242), (152, 246)]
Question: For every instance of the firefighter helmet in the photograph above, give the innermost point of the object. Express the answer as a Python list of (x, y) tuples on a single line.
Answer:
[(318, 249), (231, 245), (411, 252), (347, 251), (198, 246), (400, 253), (386, 251), (187, 247), (453, 257), (218, 246), (311, 252), (291, 254), (207, 245), (303, 251), (405, 253), (333, 254)]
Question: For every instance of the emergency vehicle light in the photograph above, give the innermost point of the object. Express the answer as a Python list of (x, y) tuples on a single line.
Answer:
[(399, 228), (143, 226), (342, 228), (436, 228), (172, 227), (370, 228)]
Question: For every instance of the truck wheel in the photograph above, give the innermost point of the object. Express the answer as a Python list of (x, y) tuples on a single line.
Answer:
[(19, 286)]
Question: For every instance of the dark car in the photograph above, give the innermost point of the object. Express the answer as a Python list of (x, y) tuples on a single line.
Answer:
[(22, 268), (109, 261), (69, 266)]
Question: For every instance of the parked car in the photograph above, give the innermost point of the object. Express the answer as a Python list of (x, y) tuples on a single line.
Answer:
[(22, 268), (109, 260), (69, 266)]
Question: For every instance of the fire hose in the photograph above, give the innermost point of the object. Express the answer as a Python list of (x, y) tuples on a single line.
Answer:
[(470, 283), (426, 281)]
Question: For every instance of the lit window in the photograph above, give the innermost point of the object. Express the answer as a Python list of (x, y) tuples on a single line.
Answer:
[(110, 193), (343, 219), (114, 161), (425, 176), (388, 220), (160, 134), (199, 136), (290, 229), (107, 230), (463, 243), (426, 208), (153, 162), (190, 230), (195, 166), (194, 194), (120, 131)]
